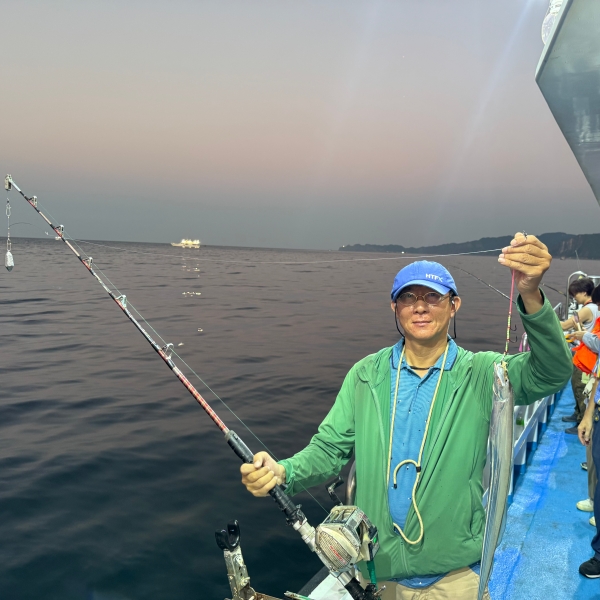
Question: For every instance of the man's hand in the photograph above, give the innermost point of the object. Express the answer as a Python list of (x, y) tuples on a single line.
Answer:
[(262, 476), (529, 259), (577, 335), (584, 429)]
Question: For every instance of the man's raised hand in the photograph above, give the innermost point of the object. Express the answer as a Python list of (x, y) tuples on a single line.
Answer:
[(529, 259), (262, 475)]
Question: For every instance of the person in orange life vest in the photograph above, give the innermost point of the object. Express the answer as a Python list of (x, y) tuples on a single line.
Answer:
[(581, 290)]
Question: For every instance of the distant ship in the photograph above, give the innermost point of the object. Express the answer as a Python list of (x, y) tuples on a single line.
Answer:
[(187, 244)]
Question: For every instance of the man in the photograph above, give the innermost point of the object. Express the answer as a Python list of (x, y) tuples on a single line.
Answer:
[(428, 402), (581, 290)]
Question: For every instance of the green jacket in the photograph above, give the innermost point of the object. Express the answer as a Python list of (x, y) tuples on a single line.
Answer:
[(450, 490)]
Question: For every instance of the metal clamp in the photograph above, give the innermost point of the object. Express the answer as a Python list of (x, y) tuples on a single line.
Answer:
[(230, 539), (237, 572), (8, 183), (331, 490), (33, 200), (59, 230), (168, 350)]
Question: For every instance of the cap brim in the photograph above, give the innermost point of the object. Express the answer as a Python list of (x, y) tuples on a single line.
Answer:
[(438, 287)]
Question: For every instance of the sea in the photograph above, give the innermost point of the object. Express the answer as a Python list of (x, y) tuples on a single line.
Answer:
[(113, 480)]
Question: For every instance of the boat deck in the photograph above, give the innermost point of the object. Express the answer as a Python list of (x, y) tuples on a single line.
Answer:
[(546, 537)]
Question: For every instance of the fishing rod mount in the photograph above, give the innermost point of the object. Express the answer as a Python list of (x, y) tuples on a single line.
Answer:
[(237, 572)]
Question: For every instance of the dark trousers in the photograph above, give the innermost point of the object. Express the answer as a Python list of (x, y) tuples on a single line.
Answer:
[(578, 387), (596, 456)]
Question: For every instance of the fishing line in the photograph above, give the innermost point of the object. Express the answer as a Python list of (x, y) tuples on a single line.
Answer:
[(129, 304), (553, 289), (141, 316), (485, 283), (298, 262)]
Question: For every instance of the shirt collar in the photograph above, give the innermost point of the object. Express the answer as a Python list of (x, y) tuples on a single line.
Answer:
[(452, 353)]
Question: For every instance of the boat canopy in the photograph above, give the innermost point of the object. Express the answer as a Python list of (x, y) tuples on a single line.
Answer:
[(568, 75)]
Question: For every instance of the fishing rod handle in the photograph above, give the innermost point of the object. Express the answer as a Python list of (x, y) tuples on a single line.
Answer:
[(237, 445), (292, 512)]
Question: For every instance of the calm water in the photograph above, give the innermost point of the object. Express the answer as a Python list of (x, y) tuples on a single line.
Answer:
[(112, 479)]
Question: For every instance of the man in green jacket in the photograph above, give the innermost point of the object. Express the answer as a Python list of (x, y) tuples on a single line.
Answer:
[(416, 417)]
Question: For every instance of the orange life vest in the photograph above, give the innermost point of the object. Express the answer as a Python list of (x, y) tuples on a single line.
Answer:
[(584, 358)]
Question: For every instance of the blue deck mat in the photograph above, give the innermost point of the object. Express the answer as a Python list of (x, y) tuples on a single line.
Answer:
[(546, 537)]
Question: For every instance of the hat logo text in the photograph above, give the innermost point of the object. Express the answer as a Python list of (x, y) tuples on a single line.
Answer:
[(436, 277)]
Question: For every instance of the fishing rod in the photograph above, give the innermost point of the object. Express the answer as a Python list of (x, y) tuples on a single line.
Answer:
[(336, 541), (486, 283), (502, 293), (553, 289)]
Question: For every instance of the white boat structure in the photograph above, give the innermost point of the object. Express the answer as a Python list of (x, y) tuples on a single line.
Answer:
[(185, 243)]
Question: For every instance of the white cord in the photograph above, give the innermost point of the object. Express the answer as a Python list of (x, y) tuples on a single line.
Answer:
[(416, 463)]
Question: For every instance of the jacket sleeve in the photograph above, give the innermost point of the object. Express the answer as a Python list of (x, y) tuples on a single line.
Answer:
[(592, 342), (549, 365), (330, 448)]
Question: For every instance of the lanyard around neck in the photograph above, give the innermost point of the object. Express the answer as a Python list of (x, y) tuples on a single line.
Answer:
[(417, 464)]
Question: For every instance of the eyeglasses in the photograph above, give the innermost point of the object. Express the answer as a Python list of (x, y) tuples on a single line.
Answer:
[(431, 298)]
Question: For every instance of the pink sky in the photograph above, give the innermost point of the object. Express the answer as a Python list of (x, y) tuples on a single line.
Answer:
[(289, 124)]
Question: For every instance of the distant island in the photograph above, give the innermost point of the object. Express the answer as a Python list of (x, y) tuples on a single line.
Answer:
[(560, 245)]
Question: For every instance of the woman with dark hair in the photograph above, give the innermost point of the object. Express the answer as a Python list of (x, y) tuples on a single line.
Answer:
[(581, 290)]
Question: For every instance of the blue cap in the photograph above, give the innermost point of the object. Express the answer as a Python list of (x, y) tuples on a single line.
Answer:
[(424, 272)]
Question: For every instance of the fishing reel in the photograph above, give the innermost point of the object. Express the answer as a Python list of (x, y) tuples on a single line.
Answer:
[(345, 538)]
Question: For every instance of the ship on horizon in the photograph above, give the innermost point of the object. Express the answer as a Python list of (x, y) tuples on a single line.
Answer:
[(185, 243)]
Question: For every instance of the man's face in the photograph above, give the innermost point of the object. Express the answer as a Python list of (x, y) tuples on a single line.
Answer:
[(424, 322)]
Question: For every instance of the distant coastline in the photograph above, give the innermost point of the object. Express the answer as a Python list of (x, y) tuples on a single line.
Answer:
[(560, 245)]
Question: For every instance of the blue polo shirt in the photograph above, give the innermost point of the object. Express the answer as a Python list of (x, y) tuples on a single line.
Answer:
[(413, 403)]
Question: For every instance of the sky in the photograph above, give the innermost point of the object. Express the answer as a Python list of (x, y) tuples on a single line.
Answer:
[(298, 124)]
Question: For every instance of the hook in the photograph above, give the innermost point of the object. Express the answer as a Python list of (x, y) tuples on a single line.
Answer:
[(513, 327)]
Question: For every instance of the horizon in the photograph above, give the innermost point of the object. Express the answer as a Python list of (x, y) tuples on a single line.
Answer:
[(50, 238)]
